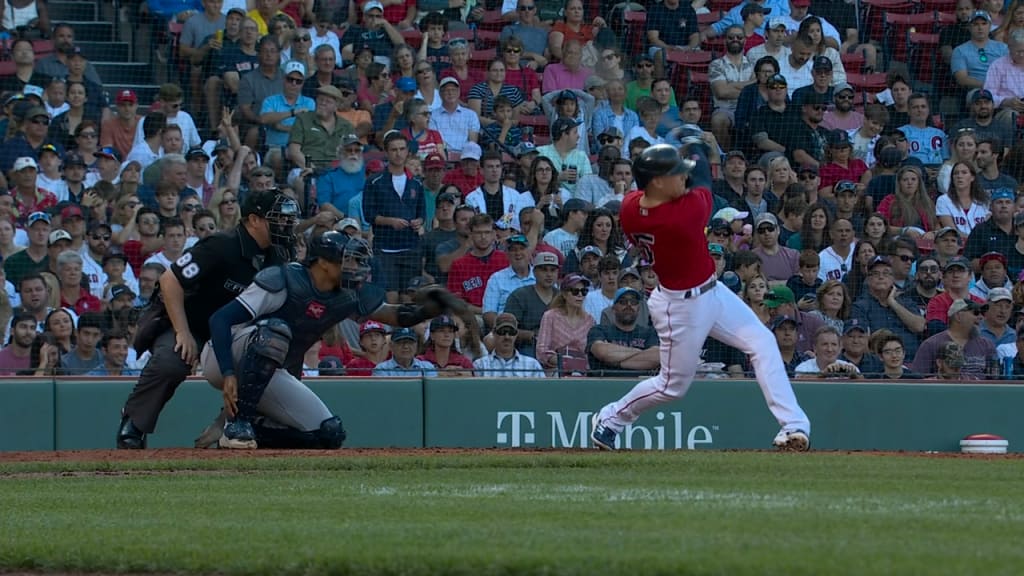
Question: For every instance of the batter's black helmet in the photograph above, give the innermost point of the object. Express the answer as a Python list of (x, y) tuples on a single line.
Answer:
[(659, 160)]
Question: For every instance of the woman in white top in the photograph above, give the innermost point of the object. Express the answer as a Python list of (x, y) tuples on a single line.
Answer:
[(22, 13), (965, 204), (963, 148)]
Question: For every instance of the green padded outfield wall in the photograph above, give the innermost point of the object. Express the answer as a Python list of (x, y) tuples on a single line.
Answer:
[(82, 413)]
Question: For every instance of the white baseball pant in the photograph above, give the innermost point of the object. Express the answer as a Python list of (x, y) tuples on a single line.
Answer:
[(683, 324), (286, 400)]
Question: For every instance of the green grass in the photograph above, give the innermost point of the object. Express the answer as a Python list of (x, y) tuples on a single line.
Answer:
[(587, 513)]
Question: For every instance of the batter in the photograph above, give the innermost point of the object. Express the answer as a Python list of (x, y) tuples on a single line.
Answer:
[(666, 221)]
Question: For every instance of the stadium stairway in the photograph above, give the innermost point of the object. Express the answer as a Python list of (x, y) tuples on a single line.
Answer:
[(104, 45)]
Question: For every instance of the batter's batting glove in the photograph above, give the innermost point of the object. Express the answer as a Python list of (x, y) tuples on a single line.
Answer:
[(435, 300)]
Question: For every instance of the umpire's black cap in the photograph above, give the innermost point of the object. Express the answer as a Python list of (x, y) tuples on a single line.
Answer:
[(659, 160)]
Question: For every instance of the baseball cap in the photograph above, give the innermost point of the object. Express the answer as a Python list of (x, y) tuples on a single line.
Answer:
[(999, 294), (169, 92), (821, 63), (330, 366), (807, 169), (52, 150), (71, 211), (980, 94), (613, 206), (1003, 194), (449, 197), (731, 214), (545, 259), (433, 161), (442, 321), (406, 84), (38, 217), (812, 98), (889, 157), (470, 151), (415, 283), (752, 8), (957, 261), (96, 225), (961, 305), (1018, 220), (945, 230), (716, 248), (719, 224), (115, 253), (295, 67), (563, 125), (845, 187), (33, 90), (735, 154), (120, 290), (25, 162), (403, 334), (572, 280), (347, 223), (625, 291), (879, 261), (236, 10), (524, 148), (109, 152), (372, 326), (780, 320), (349, 139), (449, 80), (58, 235), (576, 204), (73, 159), (801, 3), (777, 22), (506, 320), (777, 80), (613, 132), (591, 251), (126, 96), (838, 139), (371, 5), (779, 295), (989, 256), (518, 239), (629, 272), (952, 355), (766, 217), (981, 14), (566, 95), (594, 81), (196, 152), (855, 324), (330, 91)]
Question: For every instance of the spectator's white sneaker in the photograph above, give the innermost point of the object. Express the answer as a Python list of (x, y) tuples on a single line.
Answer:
[(792, 441)]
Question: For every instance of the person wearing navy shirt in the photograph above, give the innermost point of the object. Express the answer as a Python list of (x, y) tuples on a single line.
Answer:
[(671, 25)]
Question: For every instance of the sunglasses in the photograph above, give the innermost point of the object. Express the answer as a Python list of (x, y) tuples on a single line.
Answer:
[(765, 229), (425, 71), (103, 237), (301, 39), (295, 81), (506, 332), (807, 176), (529, 8), (41, 121), (209, 228), (513, 50), (610, 56), (904, 258), (578, 291), (231, 201), (633, 302), (817, 107), (645, 65), (734, 37), (190, 207), (384, 75), (607, 139), (720, 233), (346, 93)]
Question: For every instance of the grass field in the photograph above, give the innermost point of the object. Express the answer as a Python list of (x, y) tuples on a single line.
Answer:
[(505, 513)]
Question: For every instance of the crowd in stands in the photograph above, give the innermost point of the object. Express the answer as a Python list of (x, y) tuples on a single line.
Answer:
[(485, 146)]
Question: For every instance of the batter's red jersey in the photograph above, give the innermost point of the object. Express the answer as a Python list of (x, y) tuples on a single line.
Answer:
[(671, 236)]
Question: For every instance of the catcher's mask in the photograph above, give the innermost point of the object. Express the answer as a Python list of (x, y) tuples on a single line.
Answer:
[(355, 263), (282, 217)]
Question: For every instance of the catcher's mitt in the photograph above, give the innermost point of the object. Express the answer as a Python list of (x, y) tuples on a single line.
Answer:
[(435, 300)]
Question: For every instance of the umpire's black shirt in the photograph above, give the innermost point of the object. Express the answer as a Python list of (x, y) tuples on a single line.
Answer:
[(214, 271)]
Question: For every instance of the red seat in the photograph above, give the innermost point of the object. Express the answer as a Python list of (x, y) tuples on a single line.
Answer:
[(714, 45), (705, 20), (481, 58), (922, 56), (492, 21), (874, 11), (723, 5), (696, 84), (939, 5), (944, 19), (696, 61), (873, 83), (538, 122), (7, 68), (852, 62), (45, 47), (636, 21), (896, 28), (413, 38)]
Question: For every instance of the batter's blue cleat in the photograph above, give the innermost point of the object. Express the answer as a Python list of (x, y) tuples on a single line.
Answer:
[(602, 436), (238, 434)]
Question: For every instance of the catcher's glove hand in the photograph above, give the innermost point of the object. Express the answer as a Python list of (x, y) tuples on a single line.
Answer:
[(435, 300)]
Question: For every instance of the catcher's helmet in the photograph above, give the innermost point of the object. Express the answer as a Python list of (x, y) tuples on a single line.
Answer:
[(659, 160), (328, 246)]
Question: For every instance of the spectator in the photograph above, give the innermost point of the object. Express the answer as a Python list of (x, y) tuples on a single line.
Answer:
[(456, 247), (505, 361), (956, 278), (594, 304), (769, 126), (826, 362), (613, 179), (890, 349), (965, 204), (148, 149), (60, 324), (404, 363), (780, 301), (753, 294), (376, 32), (85, 356), (254, 88), (56, 64), (482, 95), (815, 232), (500, 202), (993, 275), (173, 233), (884, 308), (44, 356), (569, 74), (990, 178), (24, 58), (14, 357), (996, 313), (72, 294), (842, 115), (441, 352), (573, 27), (149, 276), (393, 203), (34, 258), (909, 209), (927, 143), (460, 70), (115, 352), (470, 273), (35, 300), (833, 304), (798, 66), (531, 31), (785, 330), (778, 263), (979, 352), (971, 60), (530, 301), (837, 259), (728, 76), (985, 123), (391, 115), (504, 282), (856, 349), (997, 234), (456, 123), (278, 111), (564, 153), (926, 282), (963, 149), (670, 26), (374, 349), (564, 327), (623, 344)]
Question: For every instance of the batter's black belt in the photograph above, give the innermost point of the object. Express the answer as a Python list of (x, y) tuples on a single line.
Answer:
[(702, 289)]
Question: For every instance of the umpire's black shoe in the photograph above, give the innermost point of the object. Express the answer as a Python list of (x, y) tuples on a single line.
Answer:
[(129, 437)]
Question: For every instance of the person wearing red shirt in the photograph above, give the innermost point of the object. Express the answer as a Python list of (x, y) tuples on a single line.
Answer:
[(665, 220), (441, 350), (468, 177), (147, 222), (73, 295), (468, 276), (374, 341)]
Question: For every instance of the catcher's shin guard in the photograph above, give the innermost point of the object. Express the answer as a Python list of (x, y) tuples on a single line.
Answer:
[(331, 435), (264, 354)]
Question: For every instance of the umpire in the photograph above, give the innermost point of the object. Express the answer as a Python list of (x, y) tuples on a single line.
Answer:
[(208, 276)]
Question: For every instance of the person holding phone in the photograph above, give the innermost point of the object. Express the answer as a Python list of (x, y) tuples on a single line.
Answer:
[(564, 152)]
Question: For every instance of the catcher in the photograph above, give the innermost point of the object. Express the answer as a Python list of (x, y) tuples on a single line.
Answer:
[(258, 340)]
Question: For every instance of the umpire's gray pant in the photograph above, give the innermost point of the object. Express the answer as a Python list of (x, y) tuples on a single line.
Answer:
[(286, 401)]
